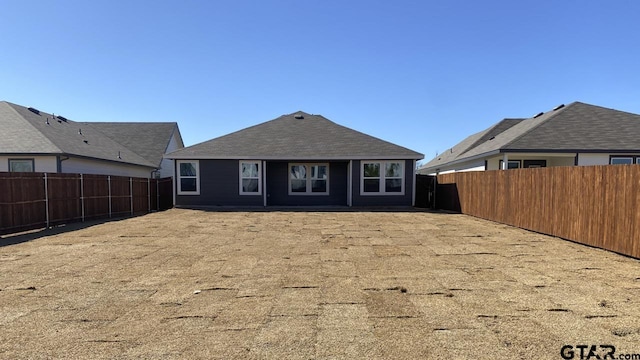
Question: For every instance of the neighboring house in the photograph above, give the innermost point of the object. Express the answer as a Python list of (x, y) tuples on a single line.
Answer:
[(296, 159), (151, 140), (576, 134), (36, 141)]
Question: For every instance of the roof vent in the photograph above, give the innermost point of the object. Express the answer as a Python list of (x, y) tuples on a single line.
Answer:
[(299, 116), (86, 141), (119, 157), (558, 107), (538, 115), (47, 122), (493, 137), (34, 110), (62, 118), (79, 131)]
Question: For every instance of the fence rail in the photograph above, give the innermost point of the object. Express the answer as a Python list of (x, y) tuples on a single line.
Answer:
[(37, 200), (593, 205)]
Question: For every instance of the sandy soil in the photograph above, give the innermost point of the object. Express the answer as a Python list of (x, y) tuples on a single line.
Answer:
[(310, 285)]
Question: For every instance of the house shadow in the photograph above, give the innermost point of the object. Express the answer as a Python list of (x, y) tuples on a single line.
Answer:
[(298, 208)]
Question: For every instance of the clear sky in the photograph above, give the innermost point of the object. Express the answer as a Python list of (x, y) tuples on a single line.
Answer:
[(422, 74)]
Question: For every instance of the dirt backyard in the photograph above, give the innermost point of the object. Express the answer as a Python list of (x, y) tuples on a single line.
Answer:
[(186, 284)]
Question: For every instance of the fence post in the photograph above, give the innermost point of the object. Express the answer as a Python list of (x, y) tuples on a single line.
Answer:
[(46, 198), (82, 195), (158, 194), (109, 181), (131, 193), (148, 195)]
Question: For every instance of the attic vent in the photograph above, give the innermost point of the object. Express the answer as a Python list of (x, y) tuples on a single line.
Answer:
[(493, 137), (538, 115), (298, 116), (34, 110), (558, 107), (62, 118)]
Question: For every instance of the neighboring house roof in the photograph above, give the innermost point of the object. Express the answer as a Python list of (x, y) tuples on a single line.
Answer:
[(38, 133), (577, 127), (149, 139), (297, 136)]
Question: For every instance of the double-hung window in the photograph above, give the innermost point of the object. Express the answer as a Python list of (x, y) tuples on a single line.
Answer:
[(188, 177), (250, 178), (308, 179), (382, 178), (21, 165)]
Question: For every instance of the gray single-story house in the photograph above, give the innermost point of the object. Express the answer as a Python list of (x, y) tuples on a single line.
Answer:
[(295, 160)]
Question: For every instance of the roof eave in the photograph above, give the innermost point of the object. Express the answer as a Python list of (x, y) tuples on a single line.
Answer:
[(460, 161), (295, 157)]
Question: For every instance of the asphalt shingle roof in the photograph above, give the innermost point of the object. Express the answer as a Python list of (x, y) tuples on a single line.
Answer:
[(472, 142), (577, 127), (26, 132), (288, 138), (147, 139)]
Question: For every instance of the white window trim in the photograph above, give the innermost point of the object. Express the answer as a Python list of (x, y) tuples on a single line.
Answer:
[(179, 177), (382, 178), (309, 179), (259, 178), (518, 162)]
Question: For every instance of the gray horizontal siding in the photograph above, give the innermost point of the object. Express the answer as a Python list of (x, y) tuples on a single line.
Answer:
[(278, 186), (219, 186), (384, 200)]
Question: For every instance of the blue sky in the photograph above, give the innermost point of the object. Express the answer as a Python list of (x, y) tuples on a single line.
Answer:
[(422, 74)]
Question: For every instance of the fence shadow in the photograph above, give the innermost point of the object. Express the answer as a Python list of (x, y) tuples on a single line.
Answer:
[(13, 239), (448, 197)]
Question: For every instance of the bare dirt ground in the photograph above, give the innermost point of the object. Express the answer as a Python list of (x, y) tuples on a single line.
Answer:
[(311, 285)]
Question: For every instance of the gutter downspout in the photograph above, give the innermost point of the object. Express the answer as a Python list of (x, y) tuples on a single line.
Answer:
[(413, 191), (264, 183), (59, 161), (350, 184), (173, 180)]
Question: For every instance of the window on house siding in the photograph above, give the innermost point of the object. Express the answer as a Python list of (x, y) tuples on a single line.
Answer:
[(308, 179), (621, 160), (382, 178), (511, 164), (250, 178), (188, 177), (21, 165)]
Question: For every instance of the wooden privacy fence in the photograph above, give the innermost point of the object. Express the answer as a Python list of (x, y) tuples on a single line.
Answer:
[(37, 200), (593, 205)]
